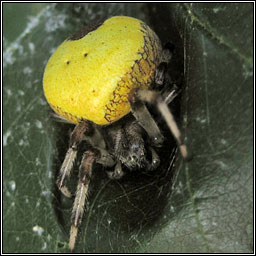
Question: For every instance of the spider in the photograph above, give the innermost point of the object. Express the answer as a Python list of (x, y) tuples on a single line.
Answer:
[(95, 79)]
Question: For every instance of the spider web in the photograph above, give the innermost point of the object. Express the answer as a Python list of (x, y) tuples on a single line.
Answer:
[(201, 206)]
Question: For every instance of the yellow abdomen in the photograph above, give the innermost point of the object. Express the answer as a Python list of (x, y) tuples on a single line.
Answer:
[(90, 76)]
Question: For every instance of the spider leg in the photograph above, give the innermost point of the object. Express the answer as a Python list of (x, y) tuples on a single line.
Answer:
[(75, 139), (85, 171), (169, 95), (58, 118), (161, 75), (89, 158), (105, 158), (145, 119), (155, 161), (169, 89), (117, 173), (168, 50), (154, 97)]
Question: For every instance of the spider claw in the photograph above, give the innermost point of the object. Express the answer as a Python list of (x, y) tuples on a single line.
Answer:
[(65, 191)]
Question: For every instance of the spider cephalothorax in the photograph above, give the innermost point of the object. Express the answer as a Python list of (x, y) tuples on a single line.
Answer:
[(100, 79), (127, 144)]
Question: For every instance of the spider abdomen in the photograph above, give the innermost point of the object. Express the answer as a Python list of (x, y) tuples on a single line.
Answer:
[(90, 76)]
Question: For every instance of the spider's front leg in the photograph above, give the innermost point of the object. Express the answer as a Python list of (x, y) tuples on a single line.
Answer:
[(100, 156), (81, 128), (89, 158), (145, 119), (154, 97), (85, 171)]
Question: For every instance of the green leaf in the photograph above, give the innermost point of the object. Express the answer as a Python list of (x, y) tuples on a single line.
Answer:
[(204, 205)]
